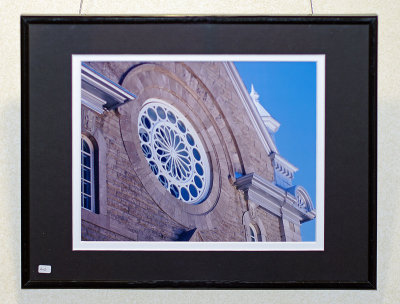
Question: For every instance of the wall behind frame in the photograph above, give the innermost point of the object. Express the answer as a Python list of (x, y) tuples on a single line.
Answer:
[(388, 147)]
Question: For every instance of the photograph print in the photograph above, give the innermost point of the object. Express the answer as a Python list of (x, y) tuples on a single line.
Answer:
[(192, 152)]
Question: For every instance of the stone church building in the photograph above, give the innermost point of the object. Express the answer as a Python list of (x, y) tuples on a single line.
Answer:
[(181, 151)]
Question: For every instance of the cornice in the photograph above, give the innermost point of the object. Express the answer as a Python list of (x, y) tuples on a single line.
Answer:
[(284, 169), (272, 198), (100, 93)]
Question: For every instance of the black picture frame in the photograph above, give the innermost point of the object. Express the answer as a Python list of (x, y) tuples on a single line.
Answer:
[(349, 258)]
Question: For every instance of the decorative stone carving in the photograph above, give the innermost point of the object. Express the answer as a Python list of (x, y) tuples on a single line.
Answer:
[(303, 200), (88, 120), (253, 210)]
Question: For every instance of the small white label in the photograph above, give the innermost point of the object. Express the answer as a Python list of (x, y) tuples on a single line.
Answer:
[(44, 269)]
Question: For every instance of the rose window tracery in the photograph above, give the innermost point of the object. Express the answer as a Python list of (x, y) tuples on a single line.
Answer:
[(174, 152)]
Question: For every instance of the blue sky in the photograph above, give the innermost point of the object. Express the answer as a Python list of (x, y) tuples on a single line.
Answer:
[(288, 92)]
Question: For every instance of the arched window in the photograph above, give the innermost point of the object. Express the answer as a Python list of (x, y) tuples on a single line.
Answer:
[(87, 175), (253, 233)]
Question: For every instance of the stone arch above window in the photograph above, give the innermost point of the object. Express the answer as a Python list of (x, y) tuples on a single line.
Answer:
[(253, 233), (254, 228), (91, 131)]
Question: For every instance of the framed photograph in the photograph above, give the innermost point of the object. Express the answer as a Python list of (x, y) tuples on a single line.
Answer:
[(212, 152)]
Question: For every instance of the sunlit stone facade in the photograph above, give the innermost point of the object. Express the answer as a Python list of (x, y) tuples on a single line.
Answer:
[(182, 152)]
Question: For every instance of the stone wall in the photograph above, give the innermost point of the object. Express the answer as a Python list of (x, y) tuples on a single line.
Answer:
[(134, 205), (272, 225), (129, 210)]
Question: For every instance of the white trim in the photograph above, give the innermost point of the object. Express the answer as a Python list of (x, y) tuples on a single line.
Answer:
[(210, 57), (272, 198), (105, 85), (271, 123), (113, 90), (250, 107), (320, 153), (76, 152), (284, 163), (197, 246), (93, 102), (301, 193)]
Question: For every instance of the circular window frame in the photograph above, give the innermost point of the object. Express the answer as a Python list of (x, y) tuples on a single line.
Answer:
[(189, 215), (174, 151)]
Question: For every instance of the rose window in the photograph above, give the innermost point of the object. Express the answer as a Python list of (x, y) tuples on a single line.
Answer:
[(174, 152)]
